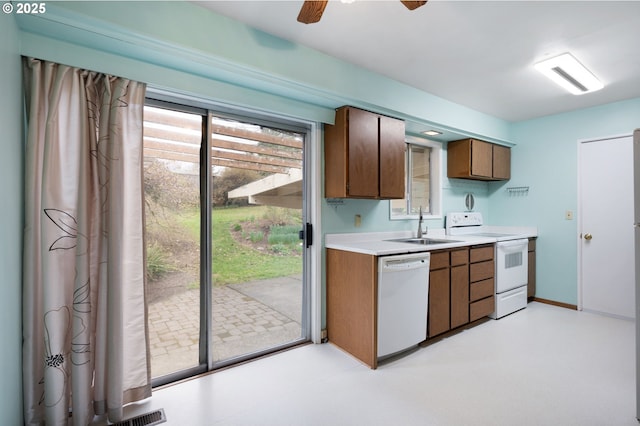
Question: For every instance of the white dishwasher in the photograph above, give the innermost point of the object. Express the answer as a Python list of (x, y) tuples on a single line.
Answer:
[(403, 297)]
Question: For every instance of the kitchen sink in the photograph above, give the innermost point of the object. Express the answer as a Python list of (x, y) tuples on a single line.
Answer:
[(424, 241)]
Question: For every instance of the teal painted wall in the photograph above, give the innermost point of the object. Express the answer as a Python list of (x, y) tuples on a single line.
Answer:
[(375, 214), (11, 190), (546, 160)]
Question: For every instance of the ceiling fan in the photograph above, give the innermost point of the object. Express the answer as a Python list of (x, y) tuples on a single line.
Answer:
[(312, 10)]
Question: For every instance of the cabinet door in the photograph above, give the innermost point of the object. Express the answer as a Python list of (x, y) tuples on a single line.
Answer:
[(363, 154), (501, 162), (335, 156), (459, 295), (481, 158), (459, 159), (392, 154), (438, 315)]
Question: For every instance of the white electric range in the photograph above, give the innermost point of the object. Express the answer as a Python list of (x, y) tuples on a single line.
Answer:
[(511, 255)]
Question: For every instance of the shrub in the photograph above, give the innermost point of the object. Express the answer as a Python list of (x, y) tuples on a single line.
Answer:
[(284, 229), (157, 261), (284, 234), (283, 238), (256, 236)]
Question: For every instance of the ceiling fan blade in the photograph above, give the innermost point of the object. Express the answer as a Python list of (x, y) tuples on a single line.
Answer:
[(311, 11), (412, 4)]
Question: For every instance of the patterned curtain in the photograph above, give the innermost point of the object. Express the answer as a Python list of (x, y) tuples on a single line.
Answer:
[(85, 339)]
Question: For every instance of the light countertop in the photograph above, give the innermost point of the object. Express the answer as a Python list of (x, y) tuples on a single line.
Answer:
[(378, 244)]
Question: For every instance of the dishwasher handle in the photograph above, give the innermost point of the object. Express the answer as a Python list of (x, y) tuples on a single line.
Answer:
[(396, 265)]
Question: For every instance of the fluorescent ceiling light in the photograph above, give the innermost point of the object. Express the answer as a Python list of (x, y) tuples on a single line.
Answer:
[(567, 72), (431, 133)]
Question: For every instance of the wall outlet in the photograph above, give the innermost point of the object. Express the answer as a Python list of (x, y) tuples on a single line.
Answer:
[(568, 215), (357, 221)]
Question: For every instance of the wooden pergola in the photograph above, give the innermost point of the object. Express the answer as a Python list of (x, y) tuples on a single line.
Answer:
[(177, 137)]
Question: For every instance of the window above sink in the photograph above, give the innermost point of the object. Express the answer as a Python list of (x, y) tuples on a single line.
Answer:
[(423, 160)]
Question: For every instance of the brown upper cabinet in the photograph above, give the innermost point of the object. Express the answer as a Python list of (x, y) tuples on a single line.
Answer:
[(364, 155), (476, 159)]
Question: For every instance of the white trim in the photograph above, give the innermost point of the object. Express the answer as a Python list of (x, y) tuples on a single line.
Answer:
[(636, 202), (314, 209)]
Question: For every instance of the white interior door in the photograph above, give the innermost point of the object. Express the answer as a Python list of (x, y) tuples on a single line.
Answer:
[(606, 248)]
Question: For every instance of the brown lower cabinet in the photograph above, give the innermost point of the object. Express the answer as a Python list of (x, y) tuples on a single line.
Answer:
[(352, 304), (461, 287), (448, 290), (460, 292)]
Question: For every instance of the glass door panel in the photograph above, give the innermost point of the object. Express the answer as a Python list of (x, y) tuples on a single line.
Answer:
[(257, 253), (172, 141)]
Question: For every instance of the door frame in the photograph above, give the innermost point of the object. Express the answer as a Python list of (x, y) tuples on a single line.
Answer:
[(312, 193), (579, 244), (314, 175)]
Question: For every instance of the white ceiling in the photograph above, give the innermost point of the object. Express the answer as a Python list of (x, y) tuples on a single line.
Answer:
[(475, 53)]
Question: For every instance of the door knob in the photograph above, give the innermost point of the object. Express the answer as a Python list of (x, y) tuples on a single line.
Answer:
[(588, 237)]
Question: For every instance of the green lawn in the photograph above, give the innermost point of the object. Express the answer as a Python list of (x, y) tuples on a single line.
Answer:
[(233, 262)]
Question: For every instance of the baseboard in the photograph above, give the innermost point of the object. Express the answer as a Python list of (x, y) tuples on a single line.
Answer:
[(554, 303)]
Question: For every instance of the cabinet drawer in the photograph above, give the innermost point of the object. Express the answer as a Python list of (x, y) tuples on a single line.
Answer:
[(439, 260), (481, 289), (481, 308), (478, 254), (481, 271), (459, 257)]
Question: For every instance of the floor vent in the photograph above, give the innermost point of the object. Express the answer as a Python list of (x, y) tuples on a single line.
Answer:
[(148, 419)]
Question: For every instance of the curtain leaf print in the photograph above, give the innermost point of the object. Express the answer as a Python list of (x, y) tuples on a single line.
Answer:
[(68, 225), (80, 344)]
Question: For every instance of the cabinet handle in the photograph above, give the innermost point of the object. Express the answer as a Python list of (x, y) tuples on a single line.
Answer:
[(588, 237)]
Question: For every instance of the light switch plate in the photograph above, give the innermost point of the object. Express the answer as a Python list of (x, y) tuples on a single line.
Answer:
[(568, 215)]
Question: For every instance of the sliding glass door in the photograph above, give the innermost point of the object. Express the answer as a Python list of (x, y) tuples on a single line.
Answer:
[(225, 259)]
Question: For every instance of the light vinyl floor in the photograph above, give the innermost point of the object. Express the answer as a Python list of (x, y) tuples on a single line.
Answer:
[(543, 365)]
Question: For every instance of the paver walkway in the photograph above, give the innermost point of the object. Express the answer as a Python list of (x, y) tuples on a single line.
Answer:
[(241, 323)]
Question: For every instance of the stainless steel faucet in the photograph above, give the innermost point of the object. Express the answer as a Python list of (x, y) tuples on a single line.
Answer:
[(419, 233)]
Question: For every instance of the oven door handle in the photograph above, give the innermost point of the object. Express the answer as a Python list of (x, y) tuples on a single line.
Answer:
[(513, 245)]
